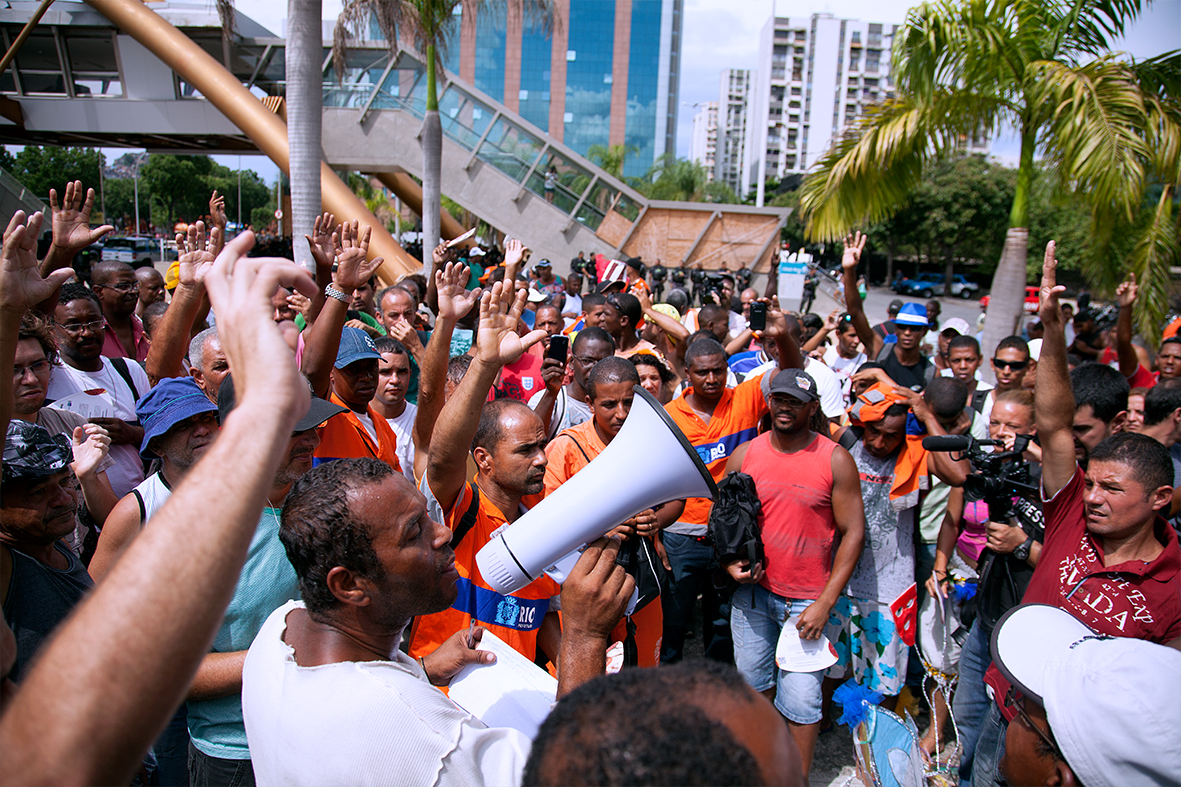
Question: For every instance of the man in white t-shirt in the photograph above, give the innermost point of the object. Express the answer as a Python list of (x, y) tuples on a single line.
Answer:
[(102, 390), (393, 380), (327, 696), (844, 357)]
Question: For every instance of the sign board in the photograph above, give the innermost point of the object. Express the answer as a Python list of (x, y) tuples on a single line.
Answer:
[(792, 270)]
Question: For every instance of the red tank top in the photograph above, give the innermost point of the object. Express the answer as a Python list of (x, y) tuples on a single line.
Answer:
[(797, 523)]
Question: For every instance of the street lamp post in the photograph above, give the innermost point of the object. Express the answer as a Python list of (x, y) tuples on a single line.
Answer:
[(138, 158)]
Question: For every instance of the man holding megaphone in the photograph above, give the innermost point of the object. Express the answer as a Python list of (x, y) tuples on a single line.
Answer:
[(507, 441)]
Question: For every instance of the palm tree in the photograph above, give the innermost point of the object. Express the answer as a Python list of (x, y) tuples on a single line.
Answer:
[(429, 24), (966, 67), (611, 158), (305, 99)]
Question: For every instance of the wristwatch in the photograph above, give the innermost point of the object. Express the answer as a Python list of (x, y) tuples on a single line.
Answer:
[(339, 295), (1022, 552)]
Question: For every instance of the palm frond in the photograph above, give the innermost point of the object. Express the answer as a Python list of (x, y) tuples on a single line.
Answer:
[(1095, 128), (1153, 255), (1090, 25), (872, 170), (354, 18)]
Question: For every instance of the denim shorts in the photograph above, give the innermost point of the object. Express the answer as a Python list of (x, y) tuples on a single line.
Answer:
[(756, 619)]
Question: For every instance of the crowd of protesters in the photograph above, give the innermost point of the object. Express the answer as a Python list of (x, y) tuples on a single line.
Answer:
[(241, 505)]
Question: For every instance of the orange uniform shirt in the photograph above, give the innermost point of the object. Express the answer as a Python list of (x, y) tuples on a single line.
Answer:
[(735, 421), (514, 618), (343, 436)]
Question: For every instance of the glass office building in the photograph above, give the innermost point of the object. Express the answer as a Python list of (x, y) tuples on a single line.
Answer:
[(607, 74)]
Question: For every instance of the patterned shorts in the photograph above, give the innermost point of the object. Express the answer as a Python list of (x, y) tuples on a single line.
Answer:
[(863, 633)]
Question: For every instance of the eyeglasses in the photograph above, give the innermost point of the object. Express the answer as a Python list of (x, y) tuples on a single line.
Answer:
[(586, 360), (123, 287), (38, 368), (1014, 365), (1011, 701), (78, 327)]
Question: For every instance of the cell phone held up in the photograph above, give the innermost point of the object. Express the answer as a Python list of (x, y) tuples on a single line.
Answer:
[(559, 348), (758, 316)]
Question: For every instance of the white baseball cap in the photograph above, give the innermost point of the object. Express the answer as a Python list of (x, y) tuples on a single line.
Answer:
[(1112, 702), (957, 324)]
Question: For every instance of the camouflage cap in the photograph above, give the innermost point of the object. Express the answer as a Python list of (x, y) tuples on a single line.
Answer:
[(32, 452)]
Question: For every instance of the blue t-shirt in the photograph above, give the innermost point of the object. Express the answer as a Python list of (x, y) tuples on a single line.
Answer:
[(267, 582)]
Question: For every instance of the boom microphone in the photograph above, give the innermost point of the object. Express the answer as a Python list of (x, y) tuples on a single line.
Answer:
[(648, 463), (947, 442)]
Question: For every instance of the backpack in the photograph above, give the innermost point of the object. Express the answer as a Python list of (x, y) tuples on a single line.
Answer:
[(734, 521)]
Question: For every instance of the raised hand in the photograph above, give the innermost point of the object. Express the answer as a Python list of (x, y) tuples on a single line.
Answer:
[(197, 253), (71, 222), (498, 342), (1127, 291), (854, 244), (320, 241), (353, 266), (217, 210), (1048, 310), (301, 303), (455, 301), (514, 253), (91, 443), (776, 319), (832, 320), (21, 284), (443, 254)]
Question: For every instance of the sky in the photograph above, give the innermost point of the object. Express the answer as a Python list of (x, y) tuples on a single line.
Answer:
[(720, 34)]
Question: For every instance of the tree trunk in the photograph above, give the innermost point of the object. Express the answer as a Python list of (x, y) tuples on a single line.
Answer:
[(305, 99), (889, 264), (1007, 296), (432, 166), (948, 270)]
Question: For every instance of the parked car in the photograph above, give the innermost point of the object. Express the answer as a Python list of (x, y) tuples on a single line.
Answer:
[(138, 252), (1030, 305), (927, 285)]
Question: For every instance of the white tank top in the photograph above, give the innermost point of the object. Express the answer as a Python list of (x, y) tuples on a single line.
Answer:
[(151, 494)]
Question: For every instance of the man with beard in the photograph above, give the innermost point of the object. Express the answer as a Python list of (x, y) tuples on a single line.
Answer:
[(325, 683), (903, 361), (89, 383), (507, 443), (118, 292), (219, 753)]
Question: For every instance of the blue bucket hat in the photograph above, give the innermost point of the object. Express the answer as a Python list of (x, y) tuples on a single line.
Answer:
[(355, 345), (912, 314), (173, 400)]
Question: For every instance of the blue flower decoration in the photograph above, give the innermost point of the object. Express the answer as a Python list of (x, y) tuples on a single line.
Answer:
[(878, 628), (854, 700)]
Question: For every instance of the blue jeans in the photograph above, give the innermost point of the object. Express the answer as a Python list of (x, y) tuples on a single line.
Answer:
[(172, 751), (693, 566), (990, 749), (206, 771), (971, 701), (757, 617)]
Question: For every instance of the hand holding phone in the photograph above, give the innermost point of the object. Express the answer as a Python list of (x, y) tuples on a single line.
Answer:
[(758, 316), (559, 347)]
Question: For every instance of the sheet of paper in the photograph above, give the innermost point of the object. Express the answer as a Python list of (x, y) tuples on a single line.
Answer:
[(795, 654), (86, 405), (513, 692)]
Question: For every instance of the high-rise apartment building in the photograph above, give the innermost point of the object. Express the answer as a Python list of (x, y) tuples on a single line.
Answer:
[(733, 110), (815, 76), (608, 75), (704, 144)]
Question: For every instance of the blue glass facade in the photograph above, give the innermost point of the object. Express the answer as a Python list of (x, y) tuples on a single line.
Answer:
[(588, 73), (490, 39), (643, 85), (536, 49)]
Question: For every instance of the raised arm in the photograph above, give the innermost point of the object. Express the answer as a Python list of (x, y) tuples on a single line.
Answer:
[(171, 342), (496, 344), (324, 255), (830, 325), (1053, 397), (676, 332), (514, 257), (940, 463), (104, 687), (1126, 293), (71, 233), (454, 302), (790, 356), (854, 244), (218, 221), (353, 269)]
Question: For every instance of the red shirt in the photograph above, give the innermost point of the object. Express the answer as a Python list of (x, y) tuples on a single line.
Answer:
[(796, 521), (1133, 599), (520, 379), (113, 348), (1142, 378)]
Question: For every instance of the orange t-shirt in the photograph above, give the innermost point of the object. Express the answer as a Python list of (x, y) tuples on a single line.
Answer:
[(735, 421), (514, 618), (564, 457)]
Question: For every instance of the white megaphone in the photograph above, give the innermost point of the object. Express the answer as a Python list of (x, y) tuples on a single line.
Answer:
[(648, 463)]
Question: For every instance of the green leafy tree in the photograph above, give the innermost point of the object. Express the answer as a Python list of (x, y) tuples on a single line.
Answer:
[(430, 25), (673, 178), (611, 158), (45, 168), (965, 67)]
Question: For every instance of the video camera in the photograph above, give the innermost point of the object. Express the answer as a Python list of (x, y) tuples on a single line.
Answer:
[(707, 286), (998, 476)]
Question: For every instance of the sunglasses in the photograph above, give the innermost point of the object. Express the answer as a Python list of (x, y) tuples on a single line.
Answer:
[(1014, 365)]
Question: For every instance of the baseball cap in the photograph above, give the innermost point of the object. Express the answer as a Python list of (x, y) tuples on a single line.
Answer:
[(173, 400), (475, 251), (610, 275), (797, 383), (542, 263), (957, 324), (319, 411), (172, 277), (1111, 701), (355, 345), (635, 263), (912, 314), (668, 310), (894, 306), (32, 452)]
